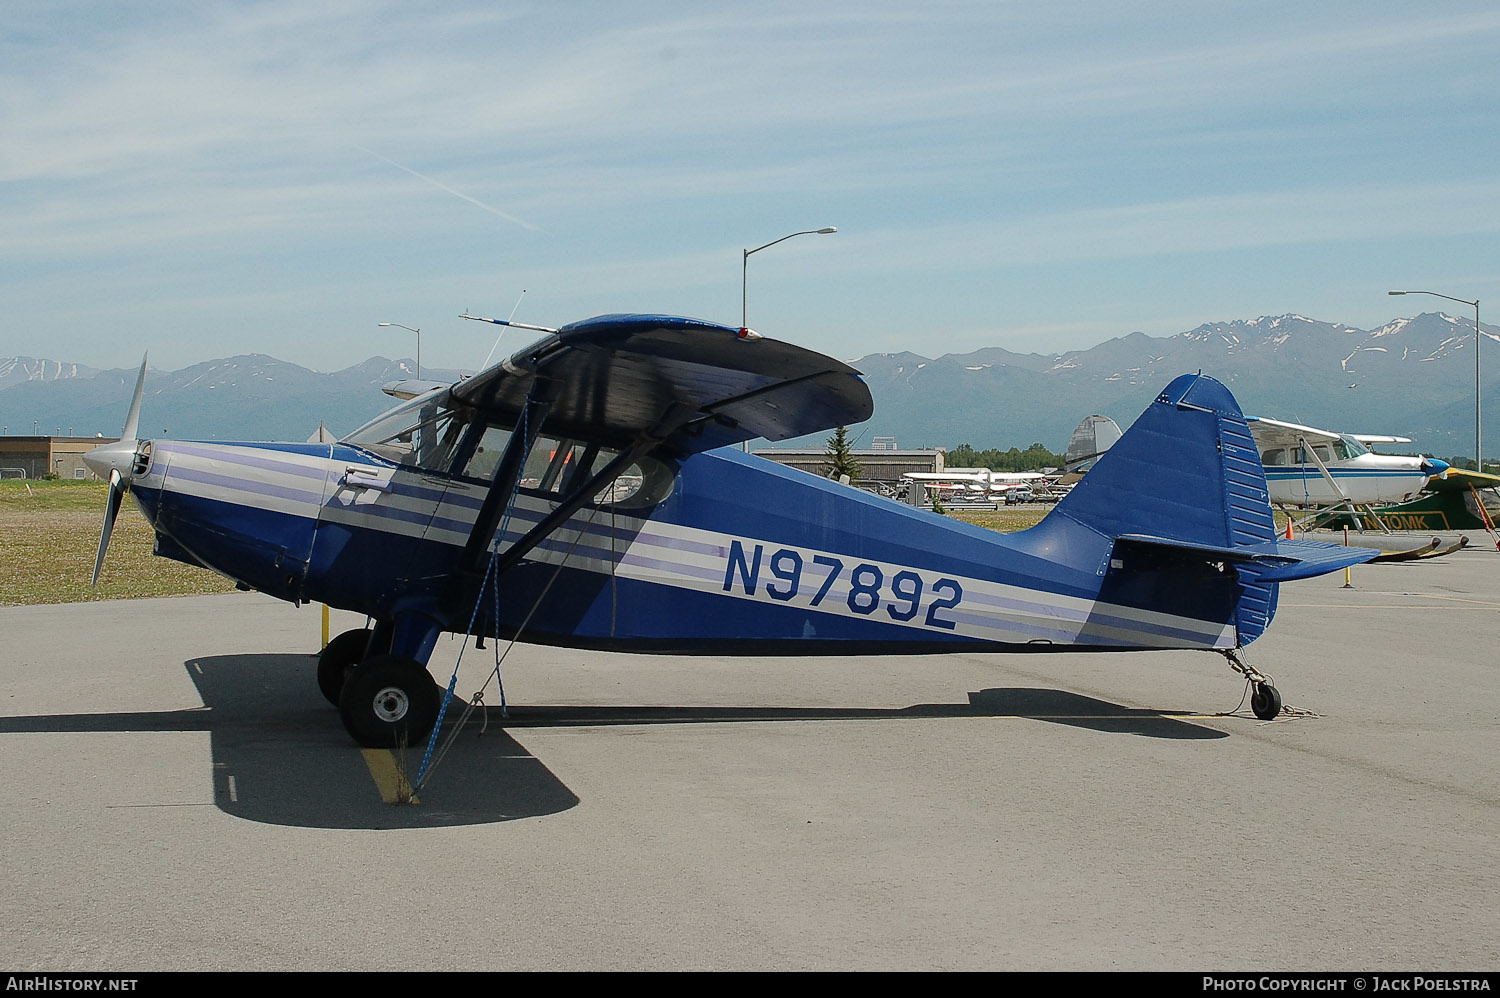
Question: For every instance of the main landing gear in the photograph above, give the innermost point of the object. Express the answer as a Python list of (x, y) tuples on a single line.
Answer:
[(390, 701), (338, 659), (1265, 699), (386, 700)]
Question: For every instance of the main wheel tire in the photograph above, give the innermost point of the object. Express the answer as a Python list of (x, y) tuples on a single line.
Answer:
[(390, 701), (1265, 701), (337, 659)]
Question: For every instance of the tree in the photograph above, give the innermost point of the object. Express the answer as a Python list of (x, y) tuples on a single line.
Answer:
[(1034, 457), (839, 459)]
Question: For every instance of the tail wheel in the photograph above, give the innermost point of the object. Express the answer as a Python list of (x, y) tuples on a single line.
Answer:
[(389, 701), (337, 659), (1265, 701)]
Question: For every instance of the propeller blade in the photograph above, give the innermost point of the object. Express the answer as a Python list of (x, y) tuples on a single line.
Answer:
[(131, 420), (115, 456), (111, 510)]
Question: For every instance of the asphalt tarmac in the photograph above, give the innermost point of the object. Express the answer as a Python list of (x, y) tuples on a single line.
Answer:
[(180, 797)]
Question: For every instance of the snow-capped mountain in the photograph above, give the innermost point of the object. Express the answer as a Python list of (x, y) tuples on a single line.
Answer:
[(1411, 377), (18, 370)]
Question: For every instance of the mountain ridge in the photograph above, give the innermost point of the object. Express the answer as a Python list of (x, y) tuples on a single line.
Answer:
[(1411, 377)]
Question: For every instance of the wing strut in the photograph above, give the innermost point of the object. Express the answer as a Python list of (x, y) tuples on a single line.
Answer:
[(1308, 452), (1343, 500), (677, 415), (513, 462), (539, 400)]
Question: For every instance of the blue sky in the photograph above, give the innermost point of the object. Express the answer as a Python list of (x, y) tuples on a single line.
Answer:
[(204, 179)]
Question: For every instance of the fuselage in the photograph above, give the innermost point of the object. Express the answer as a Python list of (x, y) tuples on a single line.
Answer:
[(1294, 478), (680, 555)]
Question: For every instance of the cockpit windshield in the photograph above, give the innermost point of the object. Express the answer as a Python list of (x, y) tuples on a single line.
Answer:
[(1352, 447), (422, 433)]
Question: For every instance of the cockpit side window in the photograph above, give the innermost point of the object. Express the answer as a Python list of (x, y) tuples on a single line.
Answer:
[(555, 467), (1304, 455), (485, 458), (645, 483), (1273, 458)]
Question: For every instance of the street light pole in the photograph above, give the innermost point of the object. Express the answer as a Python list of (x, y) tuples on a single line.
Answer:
[(1478, 436), (419, 342), (745, 267)]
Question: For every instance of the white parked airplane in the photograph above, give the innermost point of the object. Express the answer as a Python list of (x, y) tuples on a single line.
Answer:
[(1311, 468), (979, 481)]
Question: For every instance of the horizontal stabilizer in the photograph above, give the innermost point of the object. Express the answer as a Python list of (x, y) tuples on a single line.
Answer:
[(1274, 561), (1310, 558)]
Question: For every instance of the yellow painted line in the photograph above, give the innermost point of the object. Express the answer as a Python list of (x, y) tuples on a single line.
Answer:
[(389, 779)]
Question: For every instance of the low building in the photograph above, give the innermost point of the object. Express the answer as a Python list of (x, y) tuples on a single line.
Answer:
[(36, 457), (878, 465)]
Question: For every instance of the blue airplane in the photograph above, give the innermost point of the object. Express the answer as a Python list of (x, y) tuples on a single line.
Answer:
[(585, 492)]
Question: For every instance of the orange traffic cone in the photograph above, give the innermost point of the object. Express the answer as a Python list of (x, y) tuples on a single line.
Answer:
[(1289, 528)]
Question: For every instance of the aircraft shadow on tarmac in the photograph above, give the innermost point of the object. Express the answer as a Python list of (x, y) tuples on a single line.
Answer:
[(280, 755)]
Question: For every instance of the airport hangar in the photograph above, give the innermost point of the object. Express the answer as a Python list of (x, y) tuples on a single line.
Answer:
[(883, 465), (37, 456)]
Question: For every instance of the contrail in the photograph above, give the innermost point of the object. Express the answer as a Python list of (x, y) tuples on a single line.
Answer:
[(458, 194)]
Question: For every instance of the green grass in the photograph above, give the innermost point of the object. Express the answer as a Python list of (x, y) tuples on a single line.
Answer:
[(1004, 520), (49, 532)]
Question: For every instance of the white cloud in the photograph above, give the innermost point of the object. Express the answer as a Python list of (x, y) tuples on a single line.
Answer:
[(628, 151)]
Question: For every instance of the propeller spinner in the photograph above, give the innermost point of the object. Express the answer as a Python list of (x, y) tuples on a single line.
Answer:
[(114, 462)]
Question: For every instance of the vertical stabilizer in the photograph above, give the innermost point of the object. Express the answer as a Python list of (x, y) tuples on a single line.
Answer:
[(1187, 470)]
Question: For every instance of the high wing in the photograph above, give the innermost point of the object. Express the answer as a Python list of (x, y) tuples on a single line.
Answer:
[(410, 388), (1275, 433), (614, 378), (641, 382)]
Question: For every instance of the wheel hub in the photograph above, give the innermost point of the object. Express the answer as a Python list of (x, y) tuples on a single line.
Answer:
[(391, 704)]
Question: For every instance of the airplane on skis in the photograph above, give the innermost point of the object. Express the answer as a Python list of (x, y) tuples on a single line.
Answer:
[(583, 492), (1457, 500), (1315, 469)]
